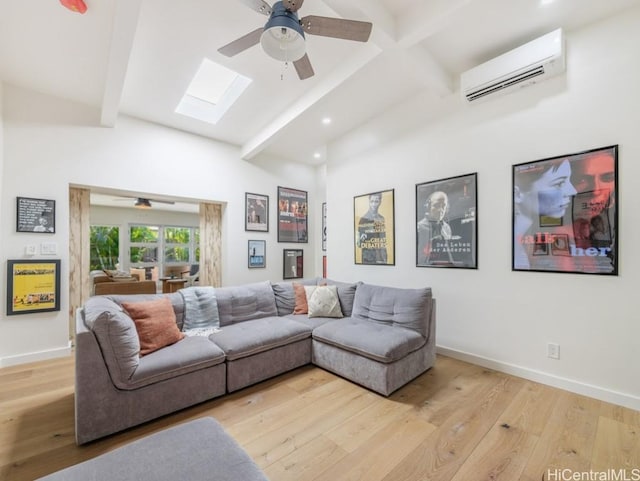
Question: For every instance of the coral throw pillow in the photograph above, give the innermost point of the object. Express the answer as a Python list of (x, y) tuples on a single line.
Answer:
[(301, 306), (155, 322)]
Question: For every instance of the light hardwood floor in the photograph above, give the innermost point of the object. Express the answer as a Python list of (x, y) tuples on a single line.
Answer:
[(456, 422)]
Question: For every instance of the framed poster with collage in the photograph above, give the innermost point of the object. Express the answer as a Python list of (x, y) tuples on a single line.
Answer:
[(292, 215), (374, 228), (33, 285), (447, 222), (565, 213)]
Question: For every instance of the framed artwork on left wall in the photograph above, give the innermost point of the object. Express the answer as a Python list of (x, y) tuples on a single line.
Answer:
[(33, 285), (35, 215)]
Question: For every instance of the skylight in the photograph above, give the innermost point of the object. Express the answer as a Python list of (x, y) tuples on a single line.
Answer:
[(212, 91)]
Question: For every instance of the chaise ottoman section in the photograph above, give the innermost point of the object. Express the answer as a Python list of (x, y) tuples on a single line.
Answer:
[(262, 348), (198, 450)]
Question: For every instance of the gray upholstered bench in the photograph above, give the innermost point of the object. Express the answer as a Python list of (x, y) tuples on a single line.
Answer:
[(195, 451)]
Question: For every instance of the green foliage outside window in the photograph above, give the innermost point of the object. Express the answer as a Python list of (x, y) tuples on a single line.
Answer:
[(104, 247)]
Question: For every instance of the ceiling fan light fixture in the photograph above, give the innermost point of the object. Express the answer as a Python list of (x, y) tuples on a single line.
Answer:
[(283, 37), (143, 203)]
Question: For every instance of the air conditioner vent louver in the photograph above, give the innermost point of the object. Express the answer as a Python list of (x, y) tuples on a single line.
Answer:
[(533, 62), (503, 84)]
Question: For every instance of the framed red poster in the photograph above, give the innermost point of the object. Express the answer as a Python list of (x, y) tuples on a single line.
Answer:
[(565, 213)]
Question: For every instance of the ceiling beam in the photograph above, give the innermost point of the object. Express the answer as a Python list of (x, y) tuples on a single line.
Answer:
[(404, 33), (412, 26), (330, 82), (125, 21)]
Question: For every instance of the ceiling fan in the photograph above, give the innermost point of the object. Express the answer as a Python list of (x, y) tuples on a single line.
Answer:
[(143, 202), (282, 37)]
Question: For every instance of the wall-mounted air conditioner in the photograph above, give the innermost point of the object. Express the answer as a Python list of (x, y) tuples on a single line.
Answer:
[(533, 62)]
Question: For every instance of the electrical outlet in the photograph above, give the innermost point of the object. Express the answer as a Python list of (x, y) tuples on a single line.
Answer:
[(553, 350)]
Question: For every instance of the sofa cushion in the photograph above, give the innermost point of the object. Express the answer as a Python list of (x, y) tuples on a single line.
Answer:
[(188, 355), (285, 295), (258, 335), (311, 322), (407, 308), (346, 294), (243, 303), (117, 336), (323, 301), (155, 322), (380, 342)]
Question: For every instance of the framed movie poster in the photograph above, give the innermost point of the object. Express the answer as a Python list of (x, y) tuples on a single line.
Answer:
[(565, 213), (374, 228), (292, 215), (256, 208), (292, 264), (257, 254), (324, 226), (447, 222), (33, 286), (35, 215)]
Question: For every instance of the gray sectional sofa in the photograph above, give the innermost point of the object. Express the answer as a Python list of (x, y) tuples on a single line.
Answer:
[(385, 339)]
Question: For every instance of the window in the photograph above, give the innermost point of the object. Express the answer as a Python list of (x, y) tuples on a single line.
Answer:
[(104, 244), (163, 250)]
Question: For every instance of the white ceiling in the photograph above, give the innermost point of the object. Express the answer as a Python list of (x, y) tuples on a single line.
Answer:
[(136, 57)]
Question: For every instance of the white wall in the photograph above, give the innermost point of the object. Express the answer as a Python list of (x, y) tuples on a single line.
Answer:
[(492, 315), (50, 144)]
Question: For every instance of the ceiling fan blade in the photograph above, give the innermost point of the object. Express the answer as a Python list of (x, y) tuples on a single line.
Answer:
[(303, 67), (160, 201), (259, 6), (241, 44), (292, 5), (337, 28)]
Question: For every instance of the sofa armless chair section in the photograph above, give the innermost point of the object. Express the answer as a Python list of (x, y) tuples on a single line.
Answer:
[(388, 340), (257, 343), (116, 388)]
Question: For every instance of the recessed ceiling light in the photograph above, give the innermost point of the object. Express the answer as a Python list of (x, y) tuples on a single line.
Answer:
[(326, 120), (316, 155)]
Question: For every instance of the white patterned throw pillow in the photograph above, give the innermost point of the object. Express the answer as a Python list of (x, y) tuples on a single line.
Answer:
[(323, 301)]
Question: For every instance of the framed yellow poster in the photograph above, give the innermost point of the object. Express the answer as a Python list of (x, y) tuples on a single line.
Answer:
[(33, 285), (374, 229)]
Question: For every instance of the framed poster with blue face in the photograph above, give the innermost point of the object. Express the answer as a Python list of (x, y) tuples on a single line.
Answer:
[(447, 222), (565, 213)]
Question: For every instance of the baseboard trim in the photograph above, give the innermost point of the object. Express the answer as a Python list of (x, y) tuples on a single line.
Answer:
[(35, 356), (607, 395)]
